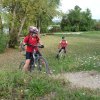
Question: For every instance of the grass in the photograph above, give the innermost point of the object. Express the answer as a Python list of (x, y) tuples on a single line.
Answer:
[(25, 86), (21, 86), (83, 54), (34, 86)]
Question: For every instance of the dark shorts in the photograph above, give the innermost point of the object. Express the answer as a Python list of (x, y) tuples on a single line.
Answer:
[(63, 48), (28, 55)]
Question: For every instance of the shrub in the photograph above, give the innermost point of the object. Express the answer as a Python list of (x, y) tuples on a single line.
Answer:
[(55, 28), (13, 41), (3, 42)]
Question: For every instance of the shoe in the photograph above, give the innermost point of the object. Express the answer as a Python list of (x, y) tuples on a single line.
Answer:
[(57, 56), (35, 65)]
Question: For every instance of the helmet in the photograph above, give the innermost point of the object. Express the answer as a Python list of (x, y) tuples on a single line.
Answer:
[(33, 30), (63, 37)]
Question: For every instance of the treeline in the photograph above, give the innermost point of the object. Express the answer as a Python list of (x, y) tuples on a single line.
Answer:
[(17, 15), (77, 20)]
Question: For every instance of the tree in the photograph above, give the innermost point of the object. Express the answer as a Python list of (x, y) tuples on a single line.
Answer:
[(22, 13), (96, 25), (86, 21), (1, 25), (65, 23), (45, 11), (76, 20)]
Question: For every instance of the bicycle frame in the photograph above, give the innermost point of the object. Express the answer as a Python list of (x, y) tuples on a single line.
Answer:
[(39, 60), (35, 56)]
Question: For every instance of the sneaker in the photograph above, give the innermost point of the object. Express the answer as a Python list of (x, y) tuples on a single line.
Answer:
[(57, 56), (35, 65)]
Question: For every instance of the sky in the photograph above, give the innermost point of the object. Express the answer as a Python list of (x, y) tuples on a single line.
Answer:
[(93, 5)]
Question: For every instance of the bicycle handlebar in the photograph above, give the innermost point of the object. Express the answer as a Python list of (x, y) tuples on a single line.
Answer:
[(40, 46)]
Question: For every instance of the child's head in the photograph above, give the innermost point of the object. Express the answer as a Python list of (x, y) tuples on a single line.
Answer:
[(63, 37)]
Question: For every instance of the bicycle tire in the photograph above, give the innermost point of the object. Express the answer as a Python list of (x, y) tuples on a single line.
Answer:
[(32, 66), (43, 65), (62, 55), (21, 65)]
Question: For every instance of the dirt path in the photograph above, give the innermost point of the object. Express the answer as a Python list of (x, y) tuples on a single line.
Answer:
[(11, 59), (86, 79)]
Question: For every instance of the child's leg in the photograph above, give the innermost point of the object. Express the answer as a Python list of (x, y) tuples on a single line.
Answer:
[(57, 56), (64, 50), (60, 50)]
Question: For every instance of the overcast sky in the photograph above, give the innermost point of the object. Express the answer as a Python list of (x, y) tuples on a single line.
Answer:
[(93, 5)]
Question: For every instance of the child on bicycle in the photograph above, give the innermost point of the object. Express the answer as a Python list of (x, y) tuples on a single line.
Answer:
[(62, 46), (32, 39)]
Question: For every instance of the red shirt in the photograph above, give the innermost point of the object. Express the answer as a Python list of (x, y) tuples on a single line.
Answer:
[(63, 43), (33, 41)]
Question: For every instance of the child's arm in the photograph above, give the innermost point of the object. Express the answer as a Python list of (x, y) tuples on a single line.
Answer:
[(59, 46)]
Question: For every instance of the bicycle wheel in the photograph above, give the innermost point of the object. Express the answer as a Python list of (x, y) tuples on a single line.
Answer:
[(43, 65), (62, 55), (32, 66), (21, 65)]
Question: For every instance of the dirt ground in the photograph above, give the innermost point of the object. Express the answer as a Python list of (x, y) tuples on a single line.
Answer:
[(10, 60), (86, 79), (89, 79)]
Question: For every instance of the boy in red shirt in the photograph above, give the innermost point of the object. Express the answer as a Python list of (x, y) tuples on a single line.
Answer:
[(62, 46), (32, 39)]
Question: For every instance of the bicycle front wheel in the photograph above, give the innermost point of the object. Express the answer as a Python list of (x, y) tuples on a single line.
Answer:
[(43, 65), (62, 55)]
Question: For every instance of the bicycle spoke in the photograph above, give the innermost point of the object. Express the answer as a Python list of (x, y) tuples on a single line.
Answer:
[(21, 65), (43, 65)]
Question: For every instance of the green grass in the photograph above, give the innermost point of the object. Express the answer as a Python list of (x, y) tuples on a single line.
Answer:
[(34, 86), (25, 86), (83, 54)]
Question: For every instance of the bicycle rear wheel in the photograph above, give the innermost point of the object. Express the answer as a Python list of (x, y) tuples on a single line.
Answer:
[(43, 65), (62, 55), (21, 65)]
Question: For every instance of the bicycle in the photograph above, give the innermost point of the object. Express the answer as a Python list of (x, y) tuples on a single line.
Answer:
[(61, 55), (37, 61)]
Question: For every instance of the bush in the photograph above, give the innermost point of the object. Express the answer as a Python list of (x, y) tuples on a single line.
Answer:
[(13, 41), (26, 87), (44, 29), (3, 42), (55, 28)]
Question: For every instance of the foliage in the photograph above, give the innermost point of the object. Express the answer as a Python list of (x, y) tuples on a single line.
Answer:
[(55, 28), (23, 13), (24, 86), (35, 86), (13, 41), (0, 24), (77, 20), (83, 53), (3, 42), (96, 25)]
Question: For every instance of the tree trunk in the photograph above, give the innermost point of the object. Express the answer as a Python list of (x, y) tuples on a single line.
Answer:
[(13, 21), (22, 24), (1, 25), (13, 35), (38, 24)]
